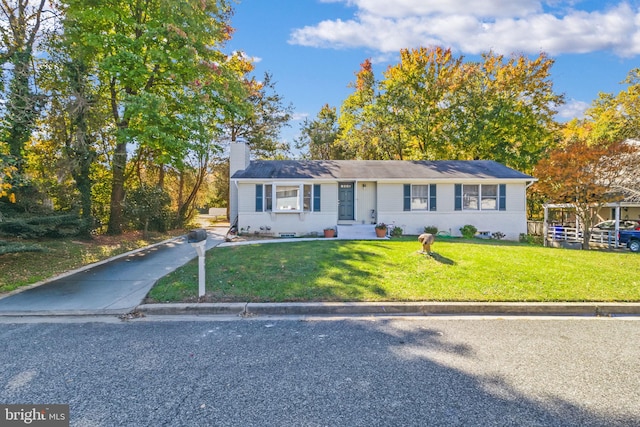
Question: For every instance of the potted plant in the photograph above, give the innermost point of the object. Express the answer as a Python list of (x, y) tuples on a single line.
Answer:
[(381, 229), (329, 232)]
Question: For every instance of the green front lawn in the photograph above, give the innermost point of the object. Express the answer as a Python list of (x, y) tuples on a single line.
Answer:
[(393, 270)]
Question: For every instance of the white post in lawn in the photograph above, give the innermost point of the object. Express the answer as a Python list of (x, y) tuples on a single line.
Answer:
[(201, 276), (198, 239)]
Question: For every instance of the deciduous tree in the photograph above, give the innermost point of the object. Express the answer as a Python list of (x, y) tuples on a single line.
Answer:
[(319, 136), (504, 110), (587, 176), (261, 126), (616, 117), (160, 62), (434, 105), (20, 26)]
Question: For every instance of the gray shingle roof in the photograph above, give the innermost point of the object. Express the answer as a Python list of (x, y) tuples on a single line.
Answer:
[(378, 170)]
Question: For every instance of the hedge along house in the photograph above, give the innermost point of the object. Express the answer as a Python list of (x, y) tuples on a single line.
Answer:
[(299, 198)]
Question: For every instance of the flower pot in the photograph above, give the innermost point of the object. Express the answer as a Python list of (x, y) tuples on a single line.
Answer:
[(381, 232), (330, 232)]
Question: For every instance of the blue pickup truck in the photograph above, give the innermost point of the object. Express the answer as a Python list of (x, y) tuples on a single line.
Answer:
[(631, 238)]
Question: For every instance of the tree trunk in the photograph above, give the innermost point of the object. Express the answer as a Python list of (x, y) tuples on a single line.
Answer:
[(180, 189), (161, 175), (81, 175), (185, 209), (117, 190), (80, 150), (20, 115)]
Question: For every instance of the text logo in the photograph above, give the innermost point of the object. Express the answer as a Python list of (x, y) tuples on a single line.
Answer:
[(34, 415)]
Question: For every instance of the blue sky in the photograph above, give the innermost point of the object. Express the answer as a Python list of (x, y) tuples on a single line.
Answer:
[(313, 47)]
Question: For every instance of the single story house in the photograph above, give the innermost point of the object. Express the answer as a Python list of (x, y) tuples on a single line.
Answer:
[(300, 198)]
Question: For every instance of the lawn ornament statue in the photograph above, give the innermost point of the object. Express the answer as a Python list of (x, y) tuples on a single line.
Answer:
[(426, 239)]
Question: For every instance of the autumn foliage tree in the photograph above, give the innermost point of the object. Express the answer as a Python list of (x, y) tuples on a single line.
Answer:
[(587, 177), (19, 35), (362, 135), (435, 105), (161, 71), (6, 172)]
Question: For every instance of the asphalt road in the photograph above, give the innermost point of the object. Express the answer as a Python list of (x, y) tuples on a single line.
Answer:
[(350, 372)]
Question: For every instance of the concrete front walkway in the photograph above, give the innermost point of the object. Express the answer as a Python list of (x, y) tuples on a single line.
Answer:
[(115, 286)]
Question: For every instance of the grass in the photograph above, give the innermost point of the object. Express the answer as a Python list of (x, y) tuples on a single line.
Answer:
[(393, 270), (55, 256)]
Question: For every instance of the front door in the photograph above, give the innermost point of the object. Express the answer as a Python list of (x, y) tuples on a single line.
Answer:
[(345, 201)]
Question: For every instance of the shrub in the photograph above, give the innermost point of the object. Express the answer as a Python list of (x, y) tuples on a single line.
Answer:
[(396, 231), (497, 235), (147, 208), (42, 226), (15, 247), (431, 229), (531, 239), (468, 231)]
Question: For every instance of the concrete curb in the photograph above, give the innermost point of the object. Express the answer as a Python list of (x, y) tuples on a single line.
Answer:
[(65, 313), (399, 308)]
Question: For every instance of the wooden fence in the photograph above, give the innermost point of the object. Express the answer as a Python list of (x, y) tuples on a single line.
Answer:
[(561, 233)]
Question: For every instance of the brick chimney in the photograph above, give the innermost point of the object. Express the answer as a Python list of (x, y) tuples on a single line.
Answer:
[(239, 158)]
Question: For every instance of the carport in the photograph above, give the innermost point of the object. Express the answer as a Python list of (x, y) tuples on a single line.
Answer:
[(568, 230)]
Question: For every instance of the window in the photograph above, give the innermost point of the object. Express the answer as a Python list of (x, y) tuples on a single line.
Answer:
[(489, 200), (470, 197), (420, 197), (484, 197), (287, 198)]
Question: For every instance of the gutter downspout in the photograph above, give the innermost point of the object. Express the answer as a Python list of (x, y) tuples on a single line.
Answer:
[(529, 184)]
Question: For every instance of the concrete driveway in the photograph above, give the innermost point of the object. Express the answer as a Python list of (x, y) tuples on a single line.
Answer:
[(116, 286)]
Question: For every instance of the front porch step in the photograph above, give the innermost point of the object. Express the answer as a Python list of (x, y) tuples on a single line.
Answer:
[(357, 232)]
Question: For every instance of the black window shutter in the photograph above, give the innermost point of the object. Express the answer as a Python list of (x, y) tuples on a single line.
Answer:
[(502, 203), (432, 197), (407, 197), (316, 197), (259, 198), (458, 197)]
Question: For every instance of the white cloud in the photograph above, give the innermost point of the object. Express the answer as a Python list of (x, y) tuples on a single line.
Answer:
[(505, 26), (482, 8), (573, 109)]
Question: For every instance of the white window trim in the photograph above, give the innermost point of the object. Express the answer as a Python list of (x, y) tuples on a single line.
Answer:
[(427, 209), (497, 198), (274, 189)]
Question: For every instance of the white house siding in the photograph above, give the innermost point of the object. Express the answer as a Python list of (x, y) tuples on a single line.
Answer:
[(510, 222), (389, 200), (286, 223), (365, 202)]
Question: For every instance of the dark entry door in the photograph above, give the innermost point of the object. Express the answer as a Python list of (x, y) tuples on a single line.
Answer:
[(345, 201)]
